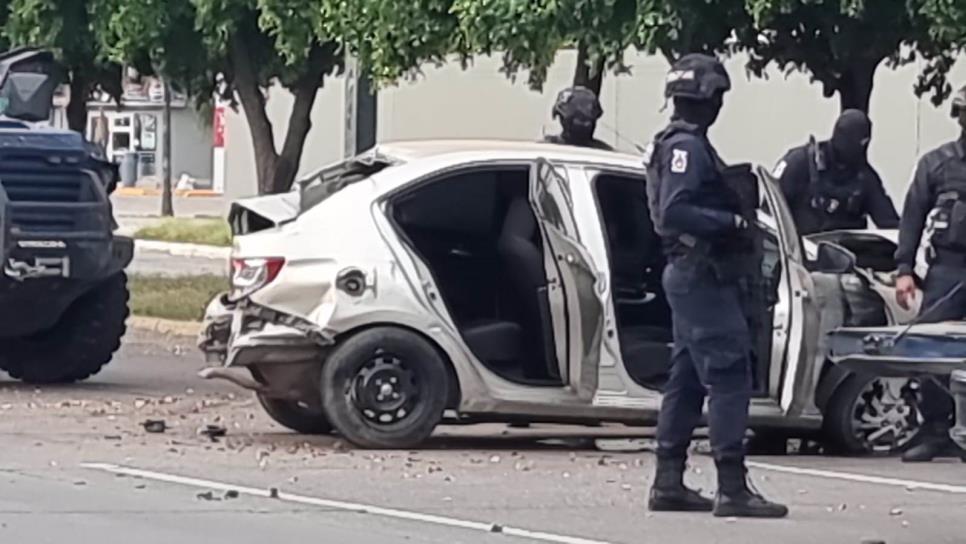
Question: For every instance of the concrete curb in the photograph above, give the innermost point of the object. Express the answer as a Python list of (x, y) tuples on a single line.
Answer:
[(165, 326), (184, 250), (153, 191)]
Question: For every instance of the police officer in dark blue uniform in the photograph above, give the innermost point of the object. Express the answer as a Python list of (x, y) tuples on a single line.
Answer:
[(830, 185), (578, 110), (936, 203), (705, 227)]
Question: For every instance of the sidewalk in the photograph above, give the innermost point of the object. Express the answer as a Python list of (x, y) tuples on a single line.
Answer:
[(166, 258), (126, 206)]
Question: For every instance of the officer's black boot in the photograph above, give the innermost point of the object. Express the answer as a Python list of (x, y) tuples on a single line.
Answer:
[(935, 443), (668, 494), (736, 499)]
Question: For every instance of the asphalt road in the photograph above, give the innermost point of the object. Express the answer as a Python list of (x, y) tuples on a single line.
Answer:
[(77, 465)]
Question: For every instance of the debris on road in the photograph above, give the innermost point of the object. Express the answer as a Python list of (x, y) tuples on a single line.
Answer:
[(207, 496), (231, 494), (273, 492), (895, 512), (262, 458), (213, 432), (155, 425)]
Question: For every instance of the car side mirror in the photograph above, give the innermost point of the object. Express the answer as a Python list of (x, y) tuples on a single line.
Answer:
[(833, 258)]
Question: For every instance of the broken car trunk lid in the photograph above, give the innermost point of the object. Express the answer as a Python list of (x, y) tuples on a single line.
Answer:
[(894, 351)]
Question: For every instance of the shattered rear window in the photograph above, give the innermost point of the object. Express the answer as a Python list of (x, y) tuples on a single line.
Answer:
[(322, 184)]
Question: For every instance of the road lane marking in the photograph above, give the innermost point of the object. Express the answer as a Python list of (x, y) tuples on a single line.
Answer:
[(342, 505), (863, 478)]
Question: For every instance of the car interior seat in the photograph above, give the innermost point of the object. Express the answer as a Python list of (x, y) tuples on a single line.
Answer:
[(522, 260)]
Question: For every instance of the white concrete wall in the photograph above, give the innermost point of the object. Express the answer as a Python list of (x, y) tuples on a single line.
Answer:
[(761, 119)]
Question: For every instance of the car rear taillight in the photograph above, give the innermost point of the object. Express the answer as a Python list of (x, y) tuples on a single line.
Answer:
[(250, 275)]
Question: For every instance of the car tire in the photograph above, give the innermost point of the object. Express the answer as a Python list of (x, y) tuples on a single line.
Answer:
[(385, 388), (79, 345), (291, 415), (843, 413)]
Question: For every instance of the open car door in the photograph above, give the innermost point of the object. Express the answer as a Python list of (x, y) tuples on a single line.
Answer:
[(576, 303), (898, 351), (796, 320)]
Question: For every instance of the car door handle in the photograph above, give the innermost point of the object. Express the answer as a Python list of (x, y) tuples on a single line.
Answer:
[(456, 252)]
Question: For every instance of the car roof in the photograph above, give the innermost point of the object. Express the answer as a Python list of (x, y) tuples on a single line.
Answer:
[(411, 150)]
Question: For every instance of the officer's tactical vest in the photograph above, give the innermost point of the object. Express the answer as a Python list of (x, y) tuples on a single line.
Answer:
[(949, 212), (740, 185), (834, 200)]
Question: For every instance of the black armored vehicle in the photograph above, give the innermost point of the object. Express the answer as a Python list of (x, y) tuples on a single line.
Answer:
[(63, 290)]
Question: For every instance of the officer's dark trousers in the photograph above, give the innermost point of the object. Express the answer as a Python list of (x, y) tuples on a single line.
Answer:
[(937, 405), (711, 357)]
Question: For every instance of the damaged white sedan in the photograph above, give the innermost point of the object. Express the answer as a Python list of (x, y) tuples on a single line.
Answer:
[(428, 282)]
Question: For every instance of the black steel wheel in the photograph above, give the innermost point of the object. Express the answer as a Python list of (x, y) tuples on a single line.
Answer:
[(385, 387)]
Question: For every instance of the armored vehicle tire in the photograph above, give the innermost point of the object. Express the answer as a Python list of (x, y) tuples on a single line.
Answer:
[(292, 415), (871, 415), (79, 345), (385, 387)]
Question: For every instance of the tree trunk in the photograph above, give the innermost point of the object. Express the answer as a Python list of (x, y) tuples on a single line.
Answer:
[(276, 171), (300, 120), (80, 92), (167, 202), (253, 103), (587, 74), (855, 85)]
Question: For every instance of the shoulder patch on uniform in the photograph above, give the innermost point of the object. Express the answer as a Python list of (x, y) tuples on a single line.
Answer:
[(779, 169), (679, 161)]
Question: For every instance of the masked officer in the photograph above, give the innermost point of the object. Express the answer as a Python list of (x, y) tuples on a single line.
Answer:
[(704, 226), (578, 110), (831, 185), (936, 203)]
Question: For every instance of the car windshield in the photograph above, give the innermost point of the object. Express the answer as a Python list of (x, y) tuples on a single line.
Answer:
[(331, 179)]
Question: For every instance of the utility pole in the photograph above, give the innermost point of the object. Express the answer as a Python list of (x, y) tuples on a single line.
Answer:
[(360, 109), (167, 204)]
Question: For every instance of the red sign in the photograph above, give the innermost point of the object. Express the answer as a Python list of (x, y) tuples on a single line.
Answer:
[(219, 126)]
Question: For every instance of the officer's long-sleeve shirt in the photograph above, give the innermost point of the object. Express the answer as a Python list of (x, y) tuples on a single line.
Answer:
[(689, 175), (919, 201), (795, 182)]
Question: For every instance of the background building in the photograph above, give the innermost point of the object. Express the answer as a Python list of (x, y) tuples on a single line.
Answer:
[(136, 125)]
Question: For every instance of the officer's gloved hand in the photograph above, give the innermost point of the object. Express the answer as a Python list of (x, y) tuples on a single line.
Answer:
[(740, 223)]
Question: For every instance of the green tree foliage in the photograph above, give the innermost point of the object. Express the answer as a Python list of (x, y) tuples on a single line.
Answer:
[(236, 49), (947, 25), (841, 43), (66, 28)]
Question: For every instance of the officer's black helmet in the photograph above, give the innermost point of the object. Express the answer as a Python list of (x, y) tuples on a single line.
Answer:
[(696, 76), (959, 101), (577, 103)]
